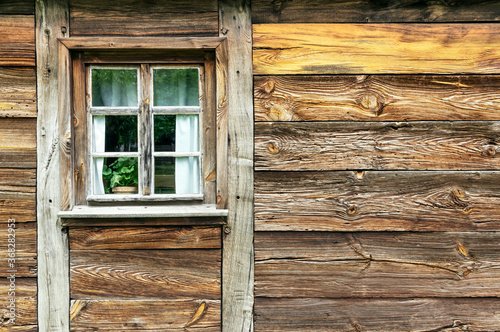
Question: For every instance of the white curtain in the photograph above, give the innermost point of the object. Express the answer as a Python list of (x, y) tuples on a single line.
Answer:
[(99, 124), (187, 178)]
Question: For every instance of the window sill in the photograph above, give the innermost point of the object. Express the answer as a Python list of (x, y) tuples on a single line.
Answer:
[(88, 216)]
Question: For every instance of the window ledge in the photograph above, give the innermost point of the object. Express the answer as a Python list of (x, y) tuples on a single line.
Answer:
[(143, 215)]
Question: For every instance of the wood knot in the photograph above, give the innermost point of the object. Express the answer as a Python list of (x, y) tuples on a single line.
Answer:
[(269, 87), (491, 151), (272, 148), (361, 78), (360, 175), (352, 210), (458, 193), (372, 102)]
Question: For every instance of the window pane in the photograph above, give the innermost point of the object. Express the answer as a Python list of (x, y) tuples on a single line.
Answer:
[(112, 174), (164, 177), (176, 87), (164, 131), (115, 133), (114, 87)]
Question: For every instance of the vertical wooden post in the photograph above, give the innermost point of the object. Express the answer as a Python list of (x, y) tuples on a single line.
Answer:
[(52, 22), (238, 257)]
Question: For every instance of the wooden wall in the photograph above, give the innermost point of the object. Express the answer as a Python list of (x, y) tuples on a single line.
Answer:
[(18, 160), (376, 180)]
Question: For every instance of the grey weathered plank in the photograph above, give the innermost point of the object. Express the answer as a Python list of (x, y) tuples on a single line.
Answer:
[(377, 98), (145, 315), (320, 11), (377, 201), (145, 274), (388, 315), (145, 238), (396, 265), (53, 282), (237, 287), (17, 92), (17, 40), (26, 303), (379, 146), (139, 18), (25, 250)]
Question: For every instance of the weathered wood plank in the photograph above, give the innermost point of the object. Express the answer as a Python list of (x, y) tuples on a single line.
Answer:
[(377, 201), (376, 98), (17, 7), (17, 40), (26, 302), (238, 267), (362, 11), (77, 168), (377, 145), (376, 48), (17, 135), (144, 18), (53, 266), (25, 250), (17, 180), (152, 315), (131, 44), (17, 205), (144, 56), (145, 238), (377, 265), (209, 123), (143, 221), (145, 274), (388, 315), (17, 92), (222, 97)]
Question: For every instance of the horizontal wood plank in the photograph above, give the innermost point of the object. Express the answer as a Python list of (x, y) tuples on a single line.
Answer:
[(377, 201), (17, 205), (145, 274), (146, 315), (17, 143), (131, 43), (17, 40), (362, 11), (145, 238), (26, 302), (377, 146), (17, 92), (24, 240), (376, 48), (307, 264), (376, 98), (387, 315), (139, 18), (17, 7)]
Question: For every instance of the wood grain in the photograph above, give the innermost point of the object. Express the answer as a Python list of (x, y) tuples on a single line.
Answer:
[(144, 18), (390, 315), (25, 254), (377, 146), (377, 201), (143, 315), (17, 195), (17, 40), (17, 143), (145, 238), (209, 125), (376, 98), (377, 265), (26, 303), (145, 274), (362, 11), (17, 7), (376, 48), (17, 92)]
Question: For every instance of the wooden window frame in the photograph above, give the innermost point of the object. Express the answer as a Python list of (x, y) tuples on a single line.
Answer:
[(76, 53)]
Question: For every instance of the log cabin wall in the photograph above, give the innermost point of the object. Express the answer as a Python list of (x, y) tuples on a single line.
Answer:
[(376, 183), (18, 116)]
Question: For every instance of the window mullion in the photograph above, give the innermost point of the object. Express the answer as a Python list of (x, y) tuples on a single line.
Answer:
[(145, 130)]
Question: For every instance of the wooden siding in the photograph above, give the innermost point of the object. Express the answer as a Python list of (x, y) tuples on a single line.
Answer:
[(25, 255), (17, 92), (26, 302), (320, 11), (376, 48), (144, 18), (17, 7), (377, 98), (17, 40), (17, 143)]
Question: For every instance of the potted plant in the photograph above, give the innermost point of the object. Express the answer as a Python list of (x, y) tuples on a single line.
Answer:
[(121, 176)]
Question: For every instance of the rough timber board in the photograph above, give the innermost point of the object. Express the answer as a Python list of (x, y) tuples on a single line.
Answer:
[(382, 315), (25, 255), (26, 304), (17, 92), (377, 201), (17, 7), (430, 145), (17, 40), (144, 18), (377, 97), (376, 48)]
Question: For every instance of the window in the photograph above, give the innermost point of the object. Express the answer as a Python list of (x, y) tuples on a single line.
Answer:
[(145, 137)]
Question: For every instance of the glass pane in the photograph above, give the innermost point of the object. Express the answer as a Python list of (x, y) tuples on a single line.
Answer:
[(187, 175), (164, 175), (118, 175), (114, 87), (115, 133), (164, 131), (176, 87)]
